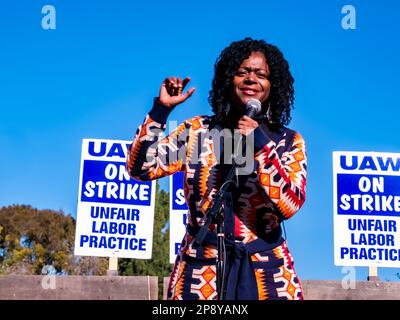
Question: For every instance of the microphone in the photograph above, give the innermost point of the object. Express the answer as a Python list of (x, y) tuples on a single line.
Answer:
[(253, 107)]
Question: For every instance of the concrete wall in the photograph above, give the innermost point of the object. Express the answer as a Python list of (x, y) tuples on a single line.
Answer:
[(364, 290), (146, 288), (78, 288)]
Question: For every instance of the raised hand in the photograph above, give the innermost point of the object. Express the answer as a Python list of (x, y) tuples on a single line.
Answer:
[(171, 91)]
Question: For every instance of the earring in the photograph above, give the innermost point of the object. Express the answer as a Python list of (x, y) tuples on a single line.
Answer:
[(269, 112), (227, 109)]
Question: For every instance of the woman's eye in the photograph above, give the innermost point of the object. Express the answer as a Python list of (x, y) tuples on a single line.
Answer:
[(262, 75), (240, 73)]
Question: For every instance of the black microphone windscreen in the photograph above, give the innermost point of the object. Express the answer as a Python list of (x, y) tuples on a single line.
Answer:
[(253, 107)]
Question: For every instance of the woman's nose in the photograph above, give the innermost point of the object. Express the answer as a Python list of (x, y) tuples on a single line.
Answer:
[(251, 77)]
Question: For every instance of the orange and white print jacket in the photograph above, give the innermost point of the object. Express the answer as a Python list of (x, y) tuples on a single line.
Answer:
[(272, 192)]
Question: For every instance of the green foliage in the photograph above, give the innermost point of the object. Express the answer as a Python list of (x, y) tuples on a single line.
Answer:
[(159, 264), (32, 239)]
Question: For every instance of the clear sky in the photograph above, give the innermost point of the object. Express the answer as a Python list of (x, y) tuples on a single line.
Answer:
[(96, 74)]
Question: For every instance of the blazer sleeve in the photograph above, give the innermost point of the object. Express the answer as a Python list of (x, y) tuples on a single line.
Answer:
[(151, 155), (282, 179)]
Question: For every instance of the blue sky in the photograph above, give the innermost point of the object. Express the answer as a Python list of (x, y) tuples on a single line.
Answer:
[(95, 77)]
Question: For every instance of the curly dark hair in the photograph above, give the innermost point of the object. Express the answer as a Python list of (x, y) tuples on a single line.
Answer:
[(281, 96)]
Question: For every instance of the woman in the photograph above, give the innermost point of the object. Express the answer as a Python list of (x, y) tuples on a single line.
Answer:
[(258, 263)]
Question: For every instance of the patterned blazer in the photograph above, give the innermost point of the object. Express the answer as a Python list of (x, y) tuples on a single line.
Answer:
[(272, 192), (260, 265)]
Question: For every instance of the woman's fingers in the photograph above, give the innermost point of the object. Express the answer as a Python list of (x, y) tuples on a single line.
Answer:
[(185, 82), (171, 91), (189, 93), (172, 82), (246, 125), (174, 86), (177, 85), (182, 84), (248, 122), (168, 84)]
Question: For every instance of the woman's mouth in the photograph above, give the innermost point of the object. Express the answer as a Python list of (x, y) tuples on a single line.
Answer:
[(249, 91)]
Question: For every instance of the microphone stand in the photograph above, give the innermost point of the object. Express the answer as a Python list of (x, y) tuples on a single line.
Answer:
[(215, 213)]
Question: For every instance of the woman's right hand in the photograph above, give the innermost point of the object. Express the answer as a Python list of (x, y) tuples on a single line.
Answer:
[(171, 91)]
